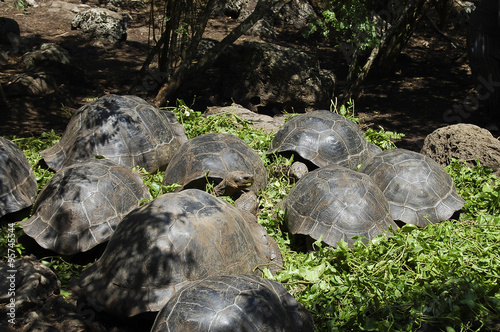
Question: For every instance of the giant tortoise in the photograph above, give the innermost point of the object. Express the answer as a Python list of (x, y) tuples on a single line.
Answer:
[(173, 240), (321, 138), (125, 129), (335, 203), (18, 186), (82, 204), (233, 303), (418, 189), (223, 159)]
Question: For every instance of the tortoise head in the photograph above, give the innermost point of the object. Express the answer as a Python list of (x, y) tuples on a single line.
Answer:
[(240, 180), (234, 182)]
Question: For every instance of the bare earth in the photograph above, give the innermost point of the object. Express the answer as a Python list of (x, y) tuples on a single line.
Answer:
[(432, 74)]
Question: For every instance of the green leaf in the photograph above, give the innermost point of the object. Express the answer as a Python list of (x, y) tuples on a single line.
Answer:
[(314, 273), (65, 293)]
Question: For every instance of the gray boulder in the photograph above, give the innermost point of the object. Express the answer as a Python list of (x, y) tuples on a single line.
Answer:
[(295, 13), (268, 75), (103, 24), (285, 14), (267, 78), (231, 8), (263, 122), (464, 142)]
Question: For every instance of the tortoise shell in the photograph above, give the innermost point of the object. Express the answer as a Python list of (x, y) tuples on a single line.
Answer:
[(18, 186), (323, 138), (418, 189), (82, 204), (213, 156), (173, 240), (125, 129), (337, 203), (233, 303)]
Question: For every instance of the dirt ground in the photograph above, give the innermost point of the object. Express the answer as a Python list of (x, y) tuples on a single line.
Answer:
[(432, 74), (432, 77)]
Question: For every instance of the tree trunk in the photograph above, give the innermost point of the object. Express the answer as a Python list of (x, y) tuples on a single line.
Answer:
[(187, 69), (398, 37), (390, 46), (181, 32)]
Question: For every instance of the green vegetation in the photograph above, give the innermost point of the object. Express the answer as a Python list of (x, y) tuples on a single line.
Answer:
[(382, 138), (19, 5), (346, 21), (444, 277), (31, 147)]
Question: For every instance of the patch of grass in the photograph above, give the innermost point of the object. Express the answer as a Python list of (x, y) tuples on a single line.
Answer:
[(444, 277), (32, 146), (63, 269), (154, 181), (382, 138), (9, 233), (479, 187)]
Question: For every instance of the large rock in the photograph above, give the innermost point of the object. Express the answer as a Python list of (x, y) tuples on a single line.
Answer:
[(231, 8), (295, 13), (265, 78), (100, 23), (264, 122), (262, 75), (464, 142)]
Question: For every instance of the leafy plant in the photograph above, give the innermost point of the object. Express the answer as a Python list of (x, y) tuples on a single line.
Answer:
[(348, 21), (31, 146), (383, 138), (19, 5), (154, 181), (443, 277), (9, 233), (479, 187), (435, 277), (64, 270), (347, 111), (196, 124)]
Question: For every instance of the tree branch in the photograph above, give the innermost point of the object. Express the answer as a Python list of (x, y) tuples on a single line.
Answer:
[(187, 69)]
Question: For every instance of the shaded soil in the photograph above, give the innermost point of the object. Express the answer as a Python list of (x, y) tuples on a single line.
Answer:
[(432, 75)]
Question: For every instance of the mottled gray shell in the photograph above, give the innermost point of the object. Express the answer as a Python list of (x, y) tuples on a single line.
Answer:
[(125, 129), (82, 204), (323, 138), (18, 187), (173, 240), (418, 189), (233, 303), (216, 154), (337, 203)]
